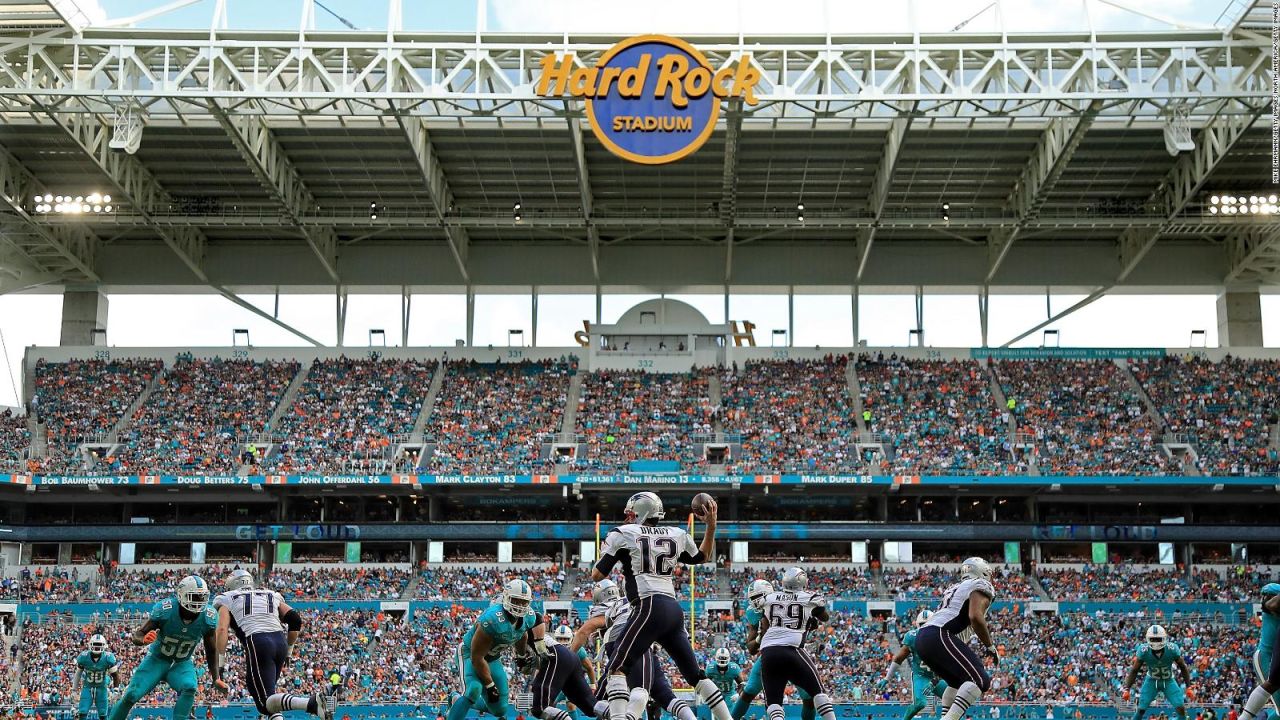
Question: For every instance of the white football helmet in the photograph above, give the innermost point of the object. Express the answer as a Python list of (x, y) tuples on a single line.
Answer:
[(97, 645), (605, 591), (722, 657), (562, 635), (643, 506), (240, 579), (923, 617), (758, 591), (975, 568), (1156, 637), (517, 598), (193, 593), (795, 579)]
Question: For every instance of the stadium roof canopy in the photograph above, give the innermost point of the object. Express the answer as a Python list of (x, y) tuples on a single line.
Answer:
[(261, 154)]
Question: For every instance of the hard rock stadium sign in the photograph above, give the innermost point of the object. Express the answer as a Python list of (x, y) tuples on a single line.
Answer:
[(650, 99)]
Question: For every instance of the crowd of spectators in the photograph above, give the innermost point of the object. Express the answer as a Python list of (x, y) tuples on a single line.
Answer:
[(15, 438), (1226, 408), (479, 582), (938, 417), (792, 415), (52, 584), (200, 415), (369, 583), (630, 415), (81, 401), (925, 582), (1085, 416), (347, 415), (845, 582), (1146, 583), (490, 418)]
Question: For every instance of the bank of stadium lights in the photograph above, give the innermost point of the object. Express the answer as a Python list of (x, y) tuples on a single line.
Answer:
[(1244, 204), (800, 212), (946, 212), (373, 211), (73, 204), (517, 213)]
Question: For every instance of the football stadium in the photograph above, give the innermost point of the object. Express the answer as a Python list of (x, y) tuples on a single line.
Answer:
[(559, 359)]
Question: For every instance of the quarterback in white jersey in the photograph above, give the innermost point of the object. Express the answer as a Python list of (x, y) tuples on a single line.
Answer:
[(789, 617), (943, 641), (648, 554), (268, 628)]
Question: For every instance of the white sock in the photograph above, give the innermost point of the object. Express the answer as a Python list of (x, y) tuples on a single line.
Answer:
[(948, 697), (776, 712), (281, 702), (681, 710), (617, 693), (554, 713), (1257, 700), (637, 701), (713, 699), (601, 710), (822, 703), (965, 697)]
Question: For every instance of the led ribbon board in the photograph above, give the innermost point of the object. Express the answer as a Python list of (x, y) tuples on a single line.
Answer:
[(650, 99)]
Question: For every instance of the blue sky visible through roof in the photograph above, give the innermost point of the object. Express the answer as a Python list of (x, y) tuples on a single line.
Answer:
[(712, 16)]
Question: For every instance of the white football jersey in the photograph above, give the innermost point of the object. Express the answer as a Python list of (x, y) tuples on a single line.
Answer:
[(252, 610), (953, 614), (790, 616), (648, 555), (615, 619)]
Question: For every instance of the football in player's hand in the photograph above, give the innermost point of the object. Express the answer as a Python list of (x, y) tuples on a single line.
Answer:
[(700, 503)]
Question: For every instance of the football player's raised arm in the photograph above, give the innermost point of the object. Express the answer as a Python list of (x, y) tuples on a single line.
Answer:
[(584, 632), (608, 557), (590, 669), (708, 547), (140, 636)]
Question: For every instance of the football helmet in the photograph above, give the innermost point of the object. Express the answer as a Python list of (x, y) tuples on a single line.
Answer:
[(605, 591), (758, 591), (517, 598), (240, 579), (975, 568), (795, 579), (97, 645), (923, 617), (642, 507), (722, 657), (1156, 637), (562, 635), (193, 593)]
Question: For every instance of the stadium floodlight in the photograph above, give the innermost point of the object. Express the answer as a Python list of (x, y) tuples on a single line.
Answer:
[(94, 202), (946, 212), (799, 212), (1253, 204), (517, 212), (373, 211)]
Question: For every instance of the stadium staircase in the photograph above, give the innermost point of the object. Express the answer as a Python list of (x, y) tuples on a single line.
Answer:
[(724, 586), (1177, 448), (39, 438), (286, 400), (1034, 581), (411, 590), (866, 440), (572, 576), (429, 404), (715, 393), (571, 401), (1019, 443), (877, 578), (114, 435)]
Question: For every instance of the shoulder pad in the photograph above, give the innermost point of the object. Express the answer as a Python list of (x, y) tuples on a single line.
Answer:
[(162, 609)]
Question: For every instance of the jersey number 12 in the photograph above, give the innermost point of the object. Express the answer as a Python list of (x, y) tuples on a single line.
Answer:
[(657, 554)]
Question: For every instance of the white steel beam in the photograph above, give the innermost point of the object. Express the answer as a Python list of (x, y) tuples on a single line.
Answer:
[(92, 135), (428, 163), (585, 197), (265, 156), (1181, 185), (1052, 154), (339, 74), (880, 184), (66, 251), (1253, 256)]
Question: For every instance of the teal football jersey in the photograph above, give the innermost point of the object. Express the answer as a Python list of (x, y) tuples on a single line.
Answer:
[(501, 627), (917, 667), (727, 678), (1159, 666), (95, 671), (177, 639)]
